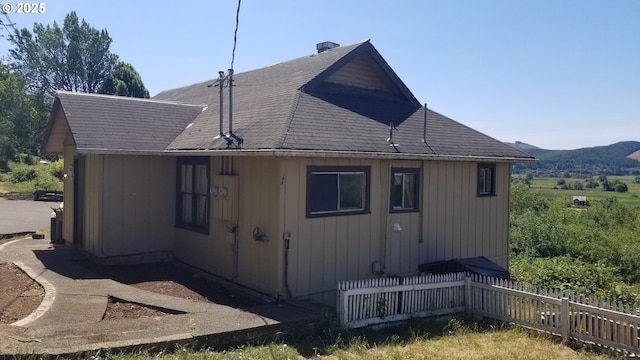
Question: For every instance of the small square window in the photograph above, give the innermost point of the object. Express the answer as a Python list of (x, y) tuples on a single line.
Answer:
[(487, 179), (404, 189), (337, 190)]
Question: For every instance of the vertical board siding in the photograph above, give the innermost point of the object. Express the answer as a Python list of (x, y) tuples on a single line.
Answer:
[(453, 222), (68, 223), (259, 203), (325, 250), (458, 223), (138, 201), (92, 210)]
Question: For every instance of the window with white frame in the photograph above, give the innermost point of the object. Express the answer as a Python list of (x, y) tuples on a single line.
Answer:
[(192, 198), (404, 189), (337, 190)]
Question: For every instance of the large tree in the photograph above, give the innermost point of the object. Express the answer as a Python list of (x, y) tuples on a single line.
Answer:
[(23, 116), (124, 80), (75, 57)]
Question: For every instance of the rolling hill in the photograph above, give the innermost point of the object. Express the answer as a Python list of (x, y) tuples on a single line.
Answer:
[(617, 159)]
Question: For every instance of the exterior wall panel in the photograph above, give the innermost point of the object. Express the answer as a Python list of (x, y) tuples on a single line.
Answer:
[(138, 204)]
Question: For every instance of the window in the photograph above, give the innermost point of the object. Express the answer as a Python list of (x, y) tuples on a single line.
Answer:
[(486, 179), (192, 199), (404, 189), (337, 190)]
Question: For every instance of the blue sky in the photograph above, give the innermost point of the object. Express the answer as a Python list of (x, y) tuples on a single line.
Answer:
[(559, 74)]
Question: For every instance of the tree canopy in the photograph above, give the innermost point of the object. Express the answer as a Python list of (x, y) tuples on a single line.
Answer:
[(124, 80), (74, 57), (23, 116)]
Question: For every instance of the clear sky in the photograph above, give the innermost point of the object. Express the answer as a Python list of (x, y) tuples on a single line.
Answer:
[(559, 74)]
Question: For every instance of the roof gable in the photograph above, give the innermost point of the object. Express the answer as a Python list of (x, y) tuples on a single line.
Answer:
[(364, 83), (116, 124)]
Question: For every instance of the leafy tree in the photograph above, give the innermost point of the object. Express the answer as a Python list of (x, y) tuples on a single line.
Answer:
[(578, 185), (637, 180), (591, 184), (75, 57), (621, 187), (23, 116), (561, 182), (124, 80)]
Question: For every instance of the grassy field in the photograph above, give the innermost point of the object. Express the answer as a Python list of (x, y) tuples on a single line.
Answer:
[(545, 186), (420, 340)]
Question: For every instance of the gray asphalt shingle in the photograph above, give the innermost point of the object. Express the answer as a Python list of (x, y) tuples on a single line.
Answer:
[(285, 106)]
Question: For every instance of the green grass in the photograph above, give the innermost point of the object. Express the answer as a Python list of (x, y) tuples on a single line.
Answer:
[(421, 339), (545, 186)]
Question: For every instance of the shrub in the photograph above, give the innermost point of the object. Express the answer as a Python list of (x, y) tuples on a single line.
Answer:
[(621, 187), (57, 169), (21, 173)]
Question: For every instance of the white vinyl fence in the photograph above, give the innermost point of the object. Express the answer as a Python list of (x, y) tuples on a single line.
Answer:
[(376, 301)]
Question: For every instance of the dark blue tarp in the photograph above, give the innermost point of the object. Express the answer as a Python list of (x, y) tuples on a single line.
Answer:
[(477, 265)]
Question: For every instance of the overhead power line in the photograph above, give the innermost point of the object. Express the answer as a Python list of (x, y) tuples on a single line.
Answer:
[(235, 35)]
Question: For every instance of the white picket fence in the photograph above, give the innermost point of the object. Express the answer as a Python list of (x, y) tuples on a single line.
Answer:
[(376, 301)]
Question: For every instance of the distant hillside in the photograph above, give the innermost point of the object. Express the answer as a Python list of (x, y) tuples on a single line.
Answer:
[(615, 159), (635, 155), (522, 146)]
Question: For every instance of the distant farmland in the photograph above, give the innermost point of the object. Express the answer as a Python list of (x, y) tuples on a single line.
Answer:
[(549, 188)]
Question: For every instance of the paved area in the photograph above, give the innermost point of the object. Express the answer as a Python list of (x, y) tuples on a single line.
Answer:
[(69, 320), (18, 216)]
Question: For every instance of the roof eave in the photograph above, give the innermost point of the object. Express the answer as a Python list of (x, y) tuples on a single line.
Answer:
[(349, 154)]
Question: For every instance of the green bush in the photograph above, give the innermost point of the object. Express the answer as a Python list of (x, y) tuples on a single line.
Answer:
[(20, 172), (57, 169)]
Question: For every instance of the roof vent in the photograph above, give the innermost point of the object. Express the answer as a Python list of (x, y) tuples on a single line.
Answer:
[(324, 46)]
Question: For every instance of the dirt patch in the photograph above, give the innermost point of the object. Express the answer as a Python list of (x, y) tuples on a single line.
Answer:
[(19, 294), (168, 279), (118, 309)]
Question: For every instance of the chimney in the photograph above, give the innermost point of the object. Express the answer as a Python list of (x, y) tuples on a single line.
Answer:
[(324, 46)]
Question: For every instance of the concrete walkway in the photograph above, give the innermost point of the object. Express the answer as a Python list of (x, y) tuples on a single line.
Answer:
[(69, 320)]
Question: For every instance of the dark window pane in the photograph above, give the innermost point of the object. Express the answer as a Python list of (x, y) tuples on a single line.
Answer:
[(201, 180), (396, 191), (203, 211), (409, 191), (351, 191), (186, 208), (185, 179), (323, 192)]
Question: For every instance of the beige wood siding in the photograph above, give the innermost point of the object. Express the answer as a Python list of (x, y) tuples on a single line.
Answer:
[(68, 154), (92, 195), (138, 204), (214, 252), (254, 186), (326, 250), (452, 223), (458, 223), (260, 263)]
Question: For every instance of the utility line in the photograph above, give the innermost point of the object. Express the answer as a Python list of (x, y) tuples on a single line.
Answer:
[(235, 35)]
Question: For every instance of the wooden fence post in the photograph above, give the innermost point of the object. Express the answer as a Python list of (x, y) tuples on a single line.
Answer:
[(467, 295), (564, 320), (341, 310)]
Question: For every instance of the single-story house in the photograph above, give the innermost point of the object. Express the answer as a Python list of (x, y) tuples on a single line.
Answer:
[(580, 200), (327, 169)]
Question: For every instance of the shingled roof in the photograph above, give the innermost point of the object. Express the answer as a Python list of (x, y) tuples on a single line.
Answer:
[(307, 106)]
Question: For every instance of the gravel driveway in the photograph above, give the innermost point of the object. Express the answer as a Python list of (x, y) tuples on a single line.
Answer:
[(24, 215)]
